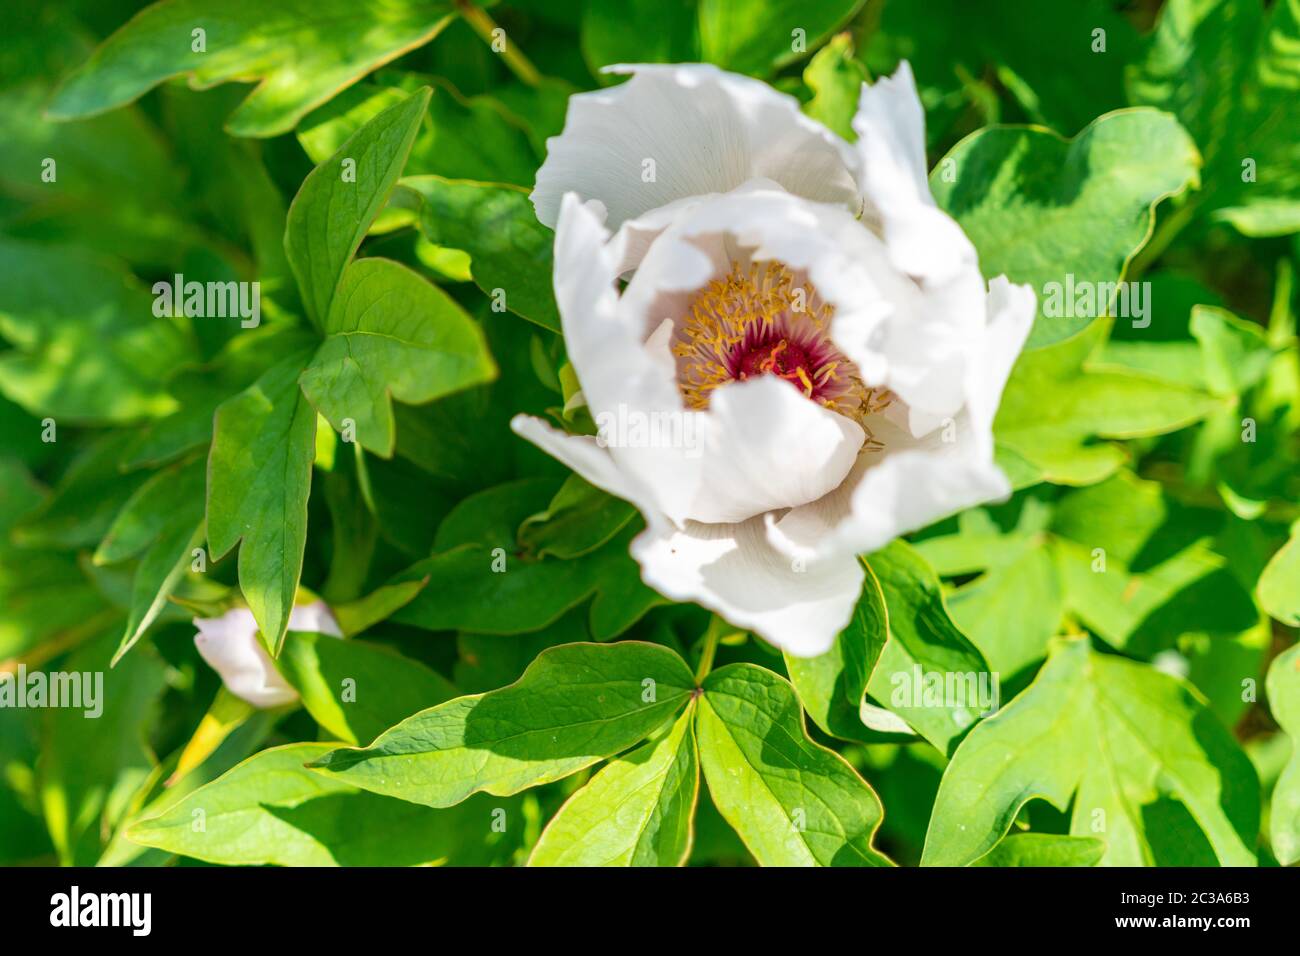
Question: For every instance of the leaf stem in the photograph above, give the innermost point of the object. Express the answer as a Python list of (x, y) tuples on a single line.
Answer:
[(711, 637), (487, 28)]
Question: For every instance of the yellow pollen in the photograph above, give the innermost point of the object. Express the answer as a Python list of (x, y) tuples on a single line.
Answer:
[(756, 321)]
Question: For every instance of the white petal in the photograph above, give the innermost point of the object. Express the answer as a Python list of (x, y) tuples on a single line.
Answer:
[(314, 618), (232, 648), (766, 446), (620, 376), (732, 570), (584, 455), (923, 241), (1011, 310), (912, 483), (705, 130)]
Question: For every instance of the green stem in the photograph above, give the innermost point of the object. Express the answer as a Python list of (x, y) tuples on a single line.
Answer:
[(486, 27), (711, 637)]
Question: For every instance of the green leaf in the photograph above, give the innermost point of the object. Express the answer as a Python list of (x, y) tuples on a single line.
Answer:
[(1059, 399), (79, 324), (1236, 353), (391, 333), (379, 605), (1134, 751), (356, 690), (1057, 213), (90, 767), (43, 594), (793, 802), (1230, 70), (230, 731), (259, 478), (579, 519), (302, 51), (341, 197), (1283, 689), (1044, 849), (1279, 586), (575, 705), (86, 499), (637, 811), (197, 390), (1012, 611), (835, 76), (509, 249), (831, 686), (271, 810), (479, 582), (1141, 570), (162, 523), (758, 36), (926, 648), (460, 138), (971, 68), (639, 31)]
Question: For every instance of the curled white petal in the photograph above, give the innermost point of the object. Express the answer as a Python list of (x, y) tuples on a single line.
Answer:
[(731, 569), (916, 481), (924, 241), (674, 131)]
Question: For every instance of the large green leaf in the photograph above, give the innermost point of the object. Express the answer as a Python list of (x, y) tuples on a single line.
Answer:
[(831, 686), (79, 325), (390, 333), (271, 810), (259, 478), (341, 197), (1042, 209), (793, 802), (1060, 399), (928, 672), (637, 811), (302, 51), (757, 36), (1142, 571), (510, 251), (356, 690), (575, 705), (1135, 752), (1283, 688)]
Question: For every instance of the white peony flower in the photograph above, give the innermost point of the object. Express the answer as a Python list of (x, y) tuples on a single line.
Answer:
[(789, 350), (232, 648)]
